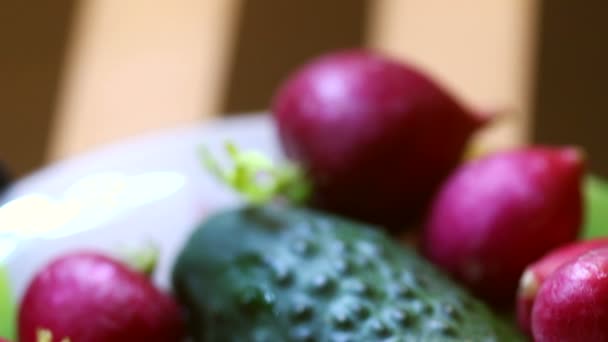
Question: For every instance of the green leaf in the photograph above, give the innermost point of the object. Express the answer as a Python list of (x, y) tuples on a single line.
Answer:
[(142, 257), (7, 308), (257, 178), (596, 207)]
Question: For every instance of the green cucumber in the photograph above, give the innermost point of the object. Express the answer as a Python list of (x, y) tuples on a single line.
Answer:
[(274, 273)]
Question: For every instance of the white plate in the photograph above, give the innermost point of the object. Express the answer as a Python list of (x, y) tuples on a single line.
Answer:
[(148, 188)]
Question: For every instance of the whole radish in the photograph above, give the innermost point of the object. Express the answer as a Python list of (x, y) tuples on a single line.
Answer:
[(572, 304), (88, 297), (376, 136), (536, 273), (498, 214)]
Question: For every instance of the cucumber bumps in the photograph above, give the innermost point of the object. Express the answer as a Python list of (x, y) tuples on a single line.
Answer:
[(270, 273)]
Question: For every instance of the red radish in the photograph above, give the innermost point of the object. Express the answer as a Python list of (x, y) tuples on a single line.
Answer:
[(535, 274), (376, 136), (89, 297), (3, 340), (498, 214), (572, 304)]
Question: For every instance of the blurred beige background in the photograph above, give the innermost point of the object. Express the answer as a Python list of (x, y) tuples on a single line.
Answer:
[(76, 75)]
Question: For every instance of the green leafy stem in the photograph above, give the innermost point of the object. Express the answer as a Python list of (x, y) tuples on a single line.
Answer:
[(257, 178)]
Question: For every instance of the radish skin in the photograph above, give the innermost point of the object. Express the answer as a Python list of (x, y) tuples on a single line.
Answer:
[(572, 304), (535, 274), (498, 214), (90, 297), (376, 136)]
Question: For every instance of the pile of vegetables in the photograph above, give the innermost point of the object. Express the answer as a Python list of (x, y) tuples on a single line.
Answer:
[(374, 149)]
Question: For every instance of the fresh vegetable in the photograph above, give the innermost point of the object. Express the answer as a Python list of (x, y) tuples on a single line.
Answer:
[(141, 256), (257, 177), (7, 309), (498, 214), (375, 136), (275, 273), (89, 297), (572, 304), (596, 215), (535, 274), (4, 340)]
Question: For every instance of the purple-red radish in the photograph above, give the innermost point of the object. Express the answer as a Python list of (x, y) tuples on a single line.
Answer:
[(536, 273), (496, 215), (89, 297), (375, 135), (572, 304)]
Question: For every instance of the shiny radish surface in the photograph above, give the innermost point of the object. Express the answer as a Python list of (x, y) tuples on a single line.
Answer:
[(496, 215), (572, 304), (90, 297), (535, 274), (377, 136)]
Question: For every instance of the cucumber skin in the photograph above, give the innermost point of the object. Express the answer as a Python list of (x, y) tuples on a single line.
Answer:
[(272, 273)]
